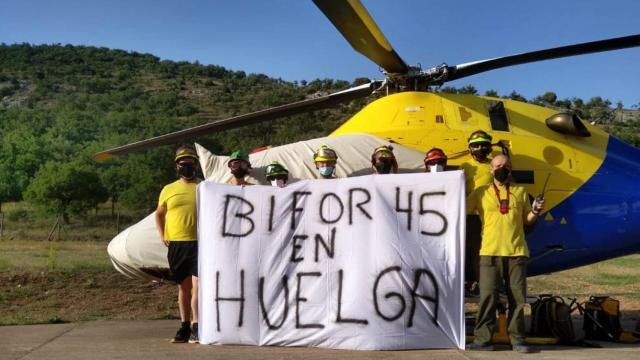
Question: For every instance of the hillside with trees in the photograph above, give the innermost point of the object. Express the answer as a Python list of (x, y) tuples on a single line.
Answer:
[(61, 104)]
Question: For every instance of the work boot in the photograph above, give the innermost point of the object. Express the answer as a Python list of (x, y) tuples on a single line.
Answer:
[(194, 334), (182, 336), (479, 347), (523, 349)]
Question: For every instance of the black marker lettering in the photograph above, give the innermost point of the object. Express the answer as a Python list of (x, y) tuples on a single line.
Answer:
[(433, 299), (339, 318), (296, 247), (285, 312), (330, 249), (272, 205), (387, 296), (407, 210), (294, 207), (332, 221), (445, 224), (239, 299), (358, 205), (300, 299), (239, 215)]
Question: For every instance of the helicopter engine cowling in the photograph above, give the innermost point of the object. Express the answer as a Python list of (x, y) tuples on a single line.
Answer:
[(567, 124)]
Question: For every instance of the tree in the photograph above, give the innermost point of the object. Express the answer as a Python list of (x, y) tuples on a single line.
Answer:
[(548, 98), (66, 189), (491, 93), (516, 96), (468, 89), (9, 186), (599, 110)]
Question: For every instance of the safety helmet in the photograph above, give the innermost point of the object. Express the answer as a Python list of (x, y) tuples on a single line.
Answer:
[(185, 152), (275, 170), (383, 152), (324, 153), (239, 155), (479, 136), (435, 155)]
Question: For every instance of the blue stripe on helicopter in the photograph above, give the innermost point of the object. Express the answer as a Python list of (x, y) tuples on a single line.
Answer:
[(602, 217)]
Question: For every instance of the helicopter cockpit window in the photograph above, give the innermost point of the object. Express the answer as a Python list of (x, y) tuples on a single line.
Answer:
[(497, 115)]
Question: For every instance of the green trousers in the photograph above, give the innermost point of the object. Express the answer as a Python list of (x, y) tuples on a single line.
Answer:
[(495, 272)]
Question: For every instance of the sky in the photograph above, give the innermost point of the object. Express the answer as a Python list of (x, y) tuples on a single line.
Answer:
[(292, 40)]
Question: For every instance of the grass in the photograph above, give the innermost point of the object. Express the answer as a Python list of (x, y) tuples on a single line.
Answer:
[(618, 278), (68, 281), (76, 282), (22, 222)]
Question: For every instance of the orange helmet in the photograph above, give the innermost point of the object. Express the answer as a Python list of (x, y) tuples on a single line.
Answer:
[(435, 155)]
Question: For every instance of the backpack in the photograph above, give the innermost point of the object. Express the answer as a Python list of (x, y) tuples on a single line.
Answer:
[(602, 319), (551, 317)]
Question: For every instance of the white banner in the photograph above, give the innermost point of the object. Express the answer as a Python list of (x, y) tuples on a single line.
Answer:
[(370, 262)]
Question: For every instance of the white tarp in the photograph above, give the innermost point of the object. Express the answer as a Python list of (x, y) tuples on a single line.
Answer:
[(138, 251), (354, 158), (371, 262)]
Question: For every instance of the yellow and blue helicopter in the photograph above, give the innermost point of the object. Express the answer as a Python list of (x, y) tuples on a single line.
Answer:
[(589, 177)]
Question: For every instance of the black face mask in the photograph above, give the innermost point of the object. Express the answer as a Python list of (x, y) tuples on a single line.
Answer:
[(239, 173), (383, 167), (481, 153), (501, 174), (187, 171)]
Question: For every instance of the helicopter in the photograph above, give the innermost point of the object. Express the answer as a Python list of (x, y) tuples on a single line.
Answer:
[(588, 176)]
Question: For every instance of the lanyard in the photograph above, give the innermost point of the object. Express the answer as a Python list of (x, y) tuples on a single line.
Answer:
[(503, 204)]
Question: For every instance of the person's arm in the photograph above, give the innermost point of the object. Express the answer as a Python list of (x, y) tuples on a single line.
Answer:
[(531, 216), (472, 203), (161, 215)]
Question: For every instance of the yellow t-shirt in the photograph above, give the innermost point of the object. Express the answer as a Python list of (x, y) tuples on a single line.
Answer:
[(476, 174), (181, 217), (502, 234)]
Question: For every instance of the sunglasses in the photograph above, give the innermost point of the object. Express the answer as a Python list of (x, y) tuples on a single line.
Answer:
[(480, 145)]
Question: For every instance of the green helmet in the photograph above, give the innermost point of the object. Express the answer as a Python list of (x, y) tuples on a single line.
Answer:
[(275, 170), (479, 136), (239, 155)]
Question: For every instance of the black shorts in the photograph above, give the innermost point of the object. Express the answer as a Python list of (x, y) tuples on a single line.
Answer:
[(183, 259)]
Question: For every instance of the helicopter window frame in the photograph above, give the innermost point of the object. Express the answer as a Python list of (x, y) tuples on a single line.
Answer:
[(498, 117)]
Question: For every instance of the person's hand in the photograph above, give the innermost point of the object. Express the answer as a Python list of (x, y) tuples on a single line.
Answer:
[(165, 242), (538, 206)]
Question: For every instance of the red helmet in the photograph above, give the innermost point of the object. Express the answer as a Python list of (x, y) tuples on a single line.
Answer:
[(435, 155)]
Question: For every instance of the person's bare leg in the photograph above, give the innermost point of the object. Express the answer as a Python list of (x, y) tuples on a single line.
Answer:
[(194, 299), (184, 299)]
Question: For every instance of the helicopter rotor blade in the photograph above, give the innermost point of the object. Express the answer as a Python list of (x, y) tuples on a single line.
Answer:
[(476, 67), (246, 119), (356, 25)]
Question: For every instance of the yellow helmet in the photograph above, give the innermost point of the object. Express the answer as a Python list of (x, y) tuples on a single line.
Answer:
[(185, 151), (383, 152), (325, 153)]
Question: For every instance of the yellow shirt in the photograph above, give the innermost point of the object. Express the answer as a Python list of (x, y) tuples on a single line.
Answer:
[(476, 174), (181, 216), (502, 234)]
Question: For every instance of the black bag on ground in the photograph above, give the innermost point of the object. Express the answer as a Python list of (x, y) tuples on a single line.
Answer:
[(602, 319), (551, 317)]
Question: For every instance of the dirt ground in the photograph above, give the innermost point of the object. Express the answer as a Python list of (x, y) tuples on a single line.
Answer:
[(76, 282)]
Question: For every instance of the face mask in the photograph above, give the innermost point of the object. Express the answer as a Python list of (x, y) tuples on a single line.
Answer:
[(239, 173), (383, 167), (501, 174), (436, 168), (187, 171), (279, 183), (481, 153), (326, 171)]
